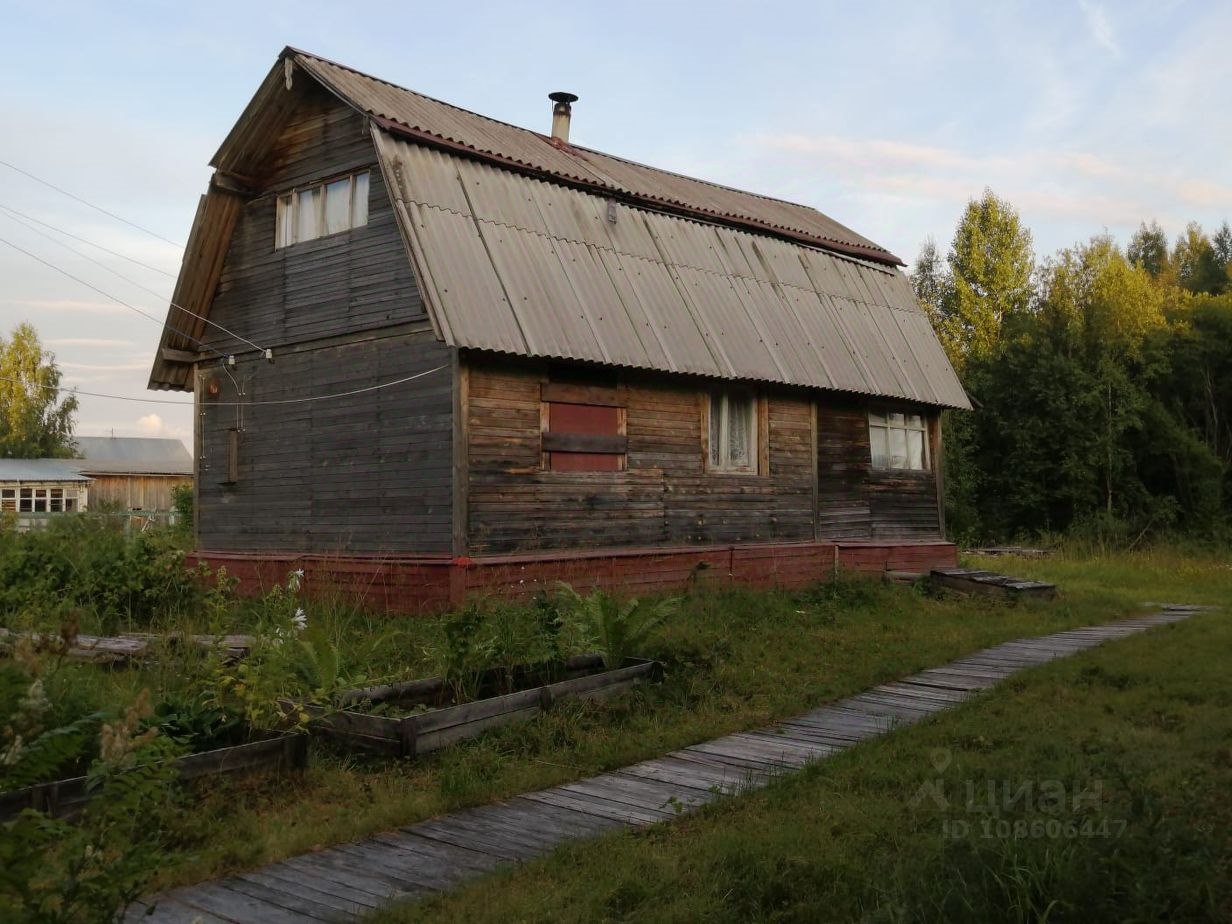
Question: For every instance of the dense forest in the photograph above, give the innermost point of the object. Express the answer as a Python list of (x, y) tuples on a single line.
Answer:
[(1101, 379)]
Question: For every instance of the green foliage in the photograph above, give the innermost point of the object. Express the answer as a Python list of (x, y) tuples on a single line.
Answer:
[(35, 423), (619, 627), (182, 504), (54, 872), (989, 279), (87, 562), (1100, 383)]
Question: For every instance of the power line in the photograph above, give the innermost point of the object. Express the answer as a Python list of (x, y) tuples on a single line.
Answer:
[(58, 230), (129, 305), (97, 208), (283, 401)]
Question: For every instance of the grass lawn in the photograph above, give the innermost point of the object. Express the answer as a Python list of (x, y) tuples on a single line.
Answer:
[(1095, 788), (735, 660)]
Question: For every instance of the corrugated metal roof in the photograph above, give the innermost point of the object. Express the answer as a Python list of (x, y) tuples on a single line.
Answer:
[(430, 119), (40, 470), (132, 449), (520, 265)]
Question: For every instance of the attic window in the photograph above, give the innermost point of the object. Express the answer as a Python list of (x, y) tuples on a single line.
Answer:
[(898, 441), (320, 210)]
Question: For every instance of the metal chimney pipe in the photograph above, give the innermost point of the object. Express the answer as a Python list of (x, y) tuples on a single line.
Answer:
[(561, 111)]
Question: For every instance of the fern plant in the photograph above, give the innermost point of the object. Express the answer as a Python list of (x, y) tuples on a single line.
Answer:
[(618, 627)]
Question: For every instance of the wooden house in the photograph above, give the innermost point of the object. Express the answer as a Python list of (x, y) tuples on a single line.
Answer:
[(34, 490), (432, 353), (134, 474)]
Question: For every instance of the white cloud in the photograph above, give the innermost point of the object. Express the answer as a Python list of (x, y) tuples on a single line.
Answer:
[(152, 425), (1100, 26)]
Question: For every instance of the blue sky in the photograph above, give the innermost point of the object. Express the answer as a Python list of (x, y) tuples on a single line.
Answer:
[(1087, 116)]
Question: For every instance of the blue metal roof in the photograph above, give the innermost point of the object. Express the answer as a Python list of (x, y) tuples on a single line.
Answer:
[(41, 470)]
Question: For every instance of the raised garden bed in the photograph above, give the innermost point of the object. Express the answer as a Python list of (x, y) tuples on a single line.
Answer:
[(434, 720), (972, 581), (67, 797)]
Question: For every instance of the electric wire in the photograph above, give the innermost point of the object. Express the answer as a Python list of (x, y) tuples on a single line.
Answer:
[(84, 240), (129, 305), (97, 208), (283, 401)]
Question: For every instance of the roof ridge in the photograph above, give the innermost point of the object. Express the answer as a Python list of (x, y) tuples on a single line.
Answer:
[(580, 151), (455, 106)]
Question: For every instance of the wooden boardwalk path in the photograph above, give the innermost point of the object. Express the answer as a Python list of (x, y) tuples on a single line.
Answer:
[(346, 882)]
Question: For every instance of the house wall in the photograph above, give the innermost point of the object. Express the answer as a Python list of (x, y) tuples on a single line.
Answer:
[(367, 472), (134, 492), (665, 496), (857, 501)]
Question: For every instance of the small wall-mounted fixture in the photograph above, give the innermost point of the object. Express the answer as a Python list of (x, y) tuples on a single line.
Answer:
[(212, 388)]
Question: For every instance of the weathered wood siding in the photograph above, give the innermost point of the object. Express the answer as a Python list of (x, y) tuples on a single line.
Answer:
[(856, 501), (366, 473), (371, 472), (135, 492), (664, 496), (353, 281)]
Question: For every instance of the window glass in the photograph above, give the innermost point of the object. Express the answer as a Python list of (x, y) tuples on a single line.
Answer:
[(327, 208), (716, 431), (898, 448), (733, 432), (880, 449), (915, 449), (306, 223), (286, 227), (898, 441), (338, 206), (359, 211)]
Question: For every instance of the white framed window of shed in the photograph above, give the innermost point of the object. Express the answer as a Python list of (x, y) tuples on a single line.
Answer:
[(898, 441), (326, 208), (733, 432)]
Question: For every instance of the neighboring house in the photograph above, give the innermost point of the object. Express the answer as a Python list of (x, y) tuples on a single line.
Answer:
[(496, 356), (133, 473), (33, 489)]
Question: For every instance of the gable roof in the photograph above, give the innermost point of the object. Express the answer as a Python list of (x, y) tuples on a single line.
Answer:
[(132, 455), (525, 247)]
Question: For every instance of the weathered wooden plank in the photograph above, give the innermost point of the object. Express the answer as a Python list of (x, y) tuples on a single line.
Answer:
[(617, 811), (308, 902), (230, 905)]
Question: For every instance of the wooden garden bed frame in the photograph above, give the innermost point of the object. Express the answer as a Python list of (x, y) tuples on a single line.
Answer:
[(584, 677), (67, 797)]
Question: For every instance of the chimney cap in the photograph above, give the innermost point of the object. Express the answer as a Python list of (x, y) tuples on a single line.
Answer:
[(560, 96)]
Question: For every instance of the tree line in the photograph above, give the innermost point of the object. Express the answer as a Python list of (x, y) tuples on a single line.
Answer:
[(1101, 379)]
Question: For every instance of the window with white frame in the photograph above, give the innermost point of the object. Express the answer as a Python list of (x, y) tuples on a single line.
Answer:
[(326, 208), (38, 500), (733, 432), (898, 441)]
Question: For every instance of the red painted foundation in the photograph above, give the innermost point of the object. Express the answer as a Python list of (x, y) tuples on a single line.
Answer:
[(423, 584)]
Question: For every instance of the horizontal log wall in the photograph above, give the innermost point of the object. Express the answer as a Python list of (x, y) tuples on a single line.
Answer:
[(370, 471), (367, 472), (855, 500), (664, 496)]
